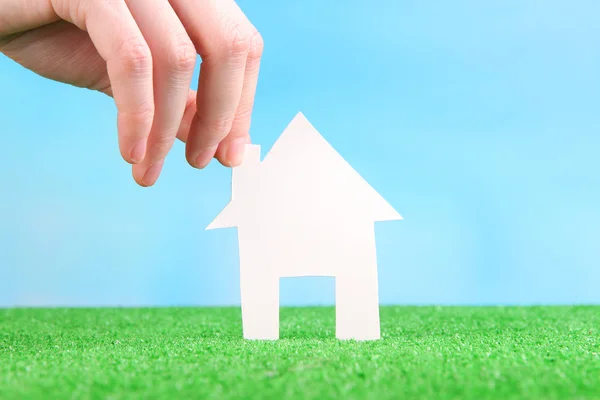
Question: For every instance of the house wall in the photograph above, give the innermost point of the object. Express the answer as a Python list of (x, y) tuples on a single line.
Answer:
[(285, 250)]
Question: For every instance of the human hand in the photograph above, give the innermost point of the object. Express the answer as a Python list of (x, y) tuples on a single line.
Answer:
[(143, 54)]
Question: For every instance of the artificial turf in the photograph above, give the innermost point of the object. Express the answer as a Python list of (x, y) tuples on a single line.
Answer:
[(425, 353)]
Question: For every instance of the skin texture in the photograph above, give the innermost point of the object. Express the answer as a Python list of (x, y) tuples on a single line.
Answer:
[(549, 353), (142, 53)]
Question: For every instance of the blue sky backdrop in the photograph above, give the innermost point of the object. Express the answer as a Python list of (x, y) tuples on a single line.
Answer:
[(479, 121)]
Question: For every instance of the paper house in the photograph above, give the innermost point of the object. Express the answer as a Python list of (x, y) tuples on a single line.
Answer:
[(304, 211)]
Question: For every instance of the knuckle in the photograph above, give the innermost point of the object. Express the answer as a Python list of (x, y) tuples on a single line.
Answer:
[(136, 56), (141, 117), (257, 46), (162, 145), (182, 56), (236, 39), (243, 114), (217, 127)]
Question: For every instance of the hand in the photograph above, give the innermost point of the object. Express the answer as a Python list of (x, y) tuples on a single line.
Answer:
[(143, 53)]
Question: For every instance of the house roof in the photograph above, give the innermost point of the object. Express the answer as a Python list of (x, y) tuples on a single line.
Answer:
[(302, 176)]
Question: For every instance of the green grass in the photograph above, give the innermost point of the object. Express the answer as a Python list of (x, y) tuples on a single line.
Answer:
[(425, 353)]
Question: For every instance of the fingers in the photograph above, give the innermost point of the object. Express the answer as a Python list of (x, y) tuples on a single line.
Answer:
[(174, 59), (150, 50), (222, 36), (120, 43), (231, 150), (188, 116)]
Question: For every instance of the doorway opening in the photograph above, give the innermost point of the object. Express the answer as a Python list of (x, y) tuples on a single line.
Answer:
[(307, 307)]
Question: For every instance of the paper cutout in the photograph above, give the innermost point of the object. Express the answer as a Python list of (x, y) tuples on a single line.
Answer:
[(304, 211)]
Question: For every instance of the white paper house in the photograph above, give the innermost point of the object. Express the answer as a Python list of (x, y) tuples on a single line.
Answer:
[(304, 211)]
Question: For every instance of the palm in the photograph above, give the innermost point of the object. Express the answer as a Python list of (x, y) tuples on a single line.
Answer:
[(62, 52)]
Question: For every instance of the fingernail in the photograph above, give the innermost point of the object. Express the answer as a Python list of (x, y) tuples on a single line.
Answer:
[(204, 157), (138, 152), (152, 173), (235, 152)]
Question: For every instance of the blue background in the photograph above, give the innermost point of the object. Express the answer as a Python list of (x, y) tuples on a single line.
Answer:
[(478, 121)]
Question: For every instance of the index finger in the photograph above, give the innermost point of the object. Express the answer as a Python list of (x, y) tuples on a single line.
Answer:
[(120, 43)]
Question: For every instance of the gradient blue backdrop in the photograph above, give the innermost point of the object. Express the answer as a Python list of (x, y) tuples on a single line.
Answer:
[(478, 121)]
